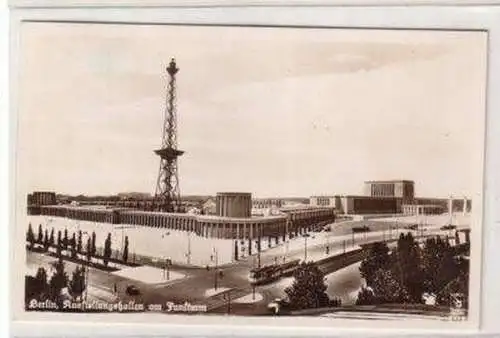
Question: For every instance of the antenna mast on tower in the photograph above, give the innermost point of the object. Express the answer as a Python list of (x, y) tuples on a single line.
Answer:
[(167, 195)]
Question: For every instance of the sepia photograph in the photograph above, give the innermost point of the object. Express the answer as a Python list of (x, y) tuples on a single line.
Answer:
[(243, 171)]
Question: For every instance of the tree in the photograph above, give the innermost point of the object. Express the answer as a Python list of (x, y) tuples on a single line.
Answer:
[(93, 248), (366, 297), (73, 246), (39, 285), (65, 240), (46, 240), (30, 236), (89, 250), (51, 238), (41, 278), (107, 250), (78, 284), (406, 267), (387, 288), (79, 243), (40, 234), (308, 289), (72, 241), (459, 286), (58, 281), (36, 287), (378, 258), (125, 250), (439, 265), (335, 302), (59, 244)]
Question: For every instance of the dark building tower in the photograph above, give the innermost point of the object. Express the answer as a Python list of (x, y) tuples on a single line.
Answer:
[(167, 195)]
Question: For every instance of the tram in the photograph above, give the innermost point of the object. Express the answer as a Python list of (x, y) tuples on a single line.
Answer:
[(271, 273)]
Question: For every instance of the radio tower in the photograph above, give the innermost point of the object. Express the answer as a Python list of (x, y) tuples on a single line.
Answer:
[(167, 195)]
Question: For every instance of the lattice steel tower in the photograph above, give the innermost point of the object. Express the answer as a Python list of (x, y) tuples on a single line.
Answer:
[(167, 195)]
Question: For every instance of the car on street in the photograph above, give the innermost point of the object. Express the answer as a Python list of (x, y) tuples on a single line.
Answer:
[(448, 227), (133, 290)]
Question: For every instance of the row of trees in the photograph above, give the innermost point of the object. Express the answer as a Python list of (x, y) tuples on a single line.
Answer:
[(407, 273), (72, 244), (42, 288)]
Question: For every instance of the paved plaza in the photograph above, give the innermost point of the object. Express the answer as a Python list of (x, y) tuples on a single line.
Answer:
[(149, 275)]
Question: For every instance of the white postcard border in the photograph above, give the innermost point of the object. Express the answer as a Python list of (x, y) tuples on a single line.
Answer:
[(400, 17)]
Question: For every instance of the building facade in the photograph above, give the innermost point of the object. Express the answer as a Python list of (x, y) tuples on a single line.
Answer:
[(42, 198), (290, 222), (324, 201), (234, 204), (359, 205), (403, 189), (423, 209), (266, 203), (390, 197)]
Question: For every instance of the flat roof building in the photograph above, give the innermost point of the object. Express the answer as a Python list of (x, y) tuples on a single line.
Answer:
[(404, 189)]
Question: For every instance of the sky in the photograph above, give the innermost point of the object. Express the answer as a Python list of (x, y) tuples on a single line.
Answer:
[(272, 111)]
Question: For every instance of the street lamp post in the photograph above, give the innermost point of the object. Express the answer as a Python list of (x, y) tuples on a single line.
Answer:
[(216, 257), (167, 263), (253, 284), (165, 266), (87, 279), (188, 254), (287, 248), (227, 296), (88, 282), (259, 239), (306, 235), (166, 260), (123, 249)]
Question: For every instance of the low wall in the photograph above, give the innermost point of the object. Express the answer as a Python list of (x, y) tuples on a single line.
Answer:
[(332, 264)]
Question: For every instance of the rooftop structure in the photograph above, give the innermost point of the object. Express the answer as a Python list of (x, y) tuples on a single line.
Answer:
[(234, 204)]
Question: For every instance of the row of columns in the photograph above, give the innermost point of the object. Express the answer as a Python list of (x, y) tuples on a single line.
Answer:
[(103, 216), (242, 230), (295, 222), (262, 204), (411, 209), (168, 221)]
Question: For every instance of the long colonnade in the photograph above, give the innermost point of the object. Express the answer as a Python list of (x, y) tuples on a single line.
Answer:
[(290, 222)]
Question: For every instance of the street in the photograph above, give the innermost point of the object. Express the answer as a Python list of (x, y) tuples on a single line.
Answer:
[(233, 278)]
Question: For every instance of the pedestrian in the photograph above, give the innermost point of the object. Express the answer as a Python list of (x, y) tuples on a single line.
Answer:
[(207, 267)]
